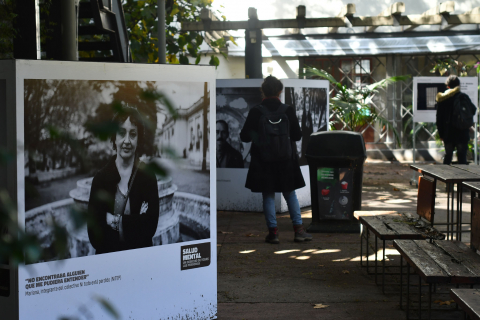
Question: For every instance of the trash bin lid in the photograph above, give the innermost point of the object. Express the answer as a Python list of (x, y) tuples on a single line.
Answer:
[(336, 144)]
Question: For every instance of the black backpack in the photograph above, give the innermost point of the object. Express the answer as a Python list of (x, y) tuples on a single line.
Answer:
[(463, 112), (273, 139)]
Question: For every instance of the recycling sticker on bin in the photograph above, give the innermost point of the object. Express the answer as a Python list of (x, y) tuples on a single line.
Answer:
[(335, 193)]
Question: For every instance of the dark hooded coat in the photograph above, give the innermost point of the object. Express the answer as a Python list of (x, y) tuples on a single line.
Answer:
[(448, 133), (273, 176)]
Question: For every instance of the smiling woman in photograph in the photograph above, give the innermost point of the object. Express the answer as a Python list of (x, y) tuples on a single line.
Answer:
[(124, 201)]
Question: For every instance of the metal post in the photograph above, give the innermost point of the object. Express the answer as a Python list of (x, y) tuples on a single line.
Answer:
[(162, 57), (26, 45), (69, 30), (253, 47)]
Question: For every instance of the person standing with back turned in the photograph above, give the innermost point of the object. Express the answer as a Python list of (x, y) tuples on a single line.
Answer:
[(274, 164), (454, 133)]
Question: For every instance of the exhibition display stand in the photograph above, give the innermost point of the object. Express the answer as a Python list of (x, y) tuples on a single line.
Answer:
[(173, 275), (235, 98)]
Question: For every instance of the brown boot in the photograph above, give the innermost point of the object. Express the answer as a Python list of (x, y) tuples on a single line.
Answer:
[(300, 234), (272, 236)]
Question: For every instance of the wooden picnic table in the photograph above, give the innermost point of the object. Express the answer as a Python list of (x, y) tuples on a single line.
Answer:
[(451, 175), (468, 300), (437, 262), (390, 225)]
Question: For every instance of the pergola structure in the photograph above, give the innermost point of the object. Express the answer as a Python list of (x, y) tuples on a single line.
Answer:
[(441, 15), (361, 50)]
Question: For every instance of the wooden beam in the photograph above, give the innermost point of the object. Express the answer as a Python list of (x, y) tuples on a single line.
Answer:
[(263, 24), (443, 9), (469, 17), (393, 11), (347, 12), (412, 21)]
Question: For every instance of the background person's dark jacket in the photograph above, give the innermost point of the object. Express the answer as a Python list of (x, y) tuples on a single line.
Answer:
[(138, 229), (274, 176), (448, 133)]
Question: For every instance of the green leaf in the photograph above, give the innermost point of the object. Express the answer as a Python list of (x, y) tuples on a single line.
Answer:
[(314, 72), (214, 61), (108, 306), (184, 59), (182, 41), (233, 40), (197, 61)]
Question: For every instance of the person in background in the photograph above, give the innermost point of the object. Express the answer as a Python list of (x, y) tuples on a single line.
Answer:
[(227, 156), (281, 176), (452, 137)]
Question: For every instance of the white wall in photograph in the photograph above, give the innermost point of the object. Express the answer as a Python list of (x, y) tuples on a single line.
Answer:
[(425, 90), (235, 98), (151, 252)]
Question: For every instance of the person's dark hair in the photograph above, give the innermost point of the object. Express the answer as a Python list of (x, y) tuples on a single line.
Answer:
[(271, 86), (452, 81), (135, 118)]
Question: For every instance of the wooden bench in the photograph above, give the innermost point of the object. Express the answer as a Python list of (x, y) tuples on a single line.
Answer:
[(391, 225), (469, 301), (441, 261)]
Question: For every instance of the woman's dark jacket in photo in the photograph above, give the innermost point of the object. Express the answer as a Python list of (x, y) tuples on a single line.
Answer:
[(273, 176), (138, 229), (448, 133)]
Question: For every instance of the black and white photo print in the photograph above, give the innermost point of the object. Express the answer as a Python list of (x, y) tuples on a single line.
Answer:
[(116, 176)]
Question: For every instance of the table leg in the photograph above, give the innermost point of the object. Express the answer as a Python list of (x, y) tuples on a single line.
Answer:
[(408, 290), (383, 268), (361, 247), (448, 211), (419, 297), (376, 259), (368, 270), (452, 211), (429, 301), (459, 211), (401, 282)]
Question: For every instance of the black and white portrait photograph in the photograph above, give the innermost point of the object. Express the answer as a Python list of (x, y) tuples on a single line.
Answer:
[(427, 92), (134, 155), (311, 105), (233, 105)]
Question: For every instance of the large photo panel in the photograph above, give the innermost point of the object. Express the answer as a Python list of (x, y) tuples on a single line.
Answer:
[(130, 150), (425, 90), (235, 98)]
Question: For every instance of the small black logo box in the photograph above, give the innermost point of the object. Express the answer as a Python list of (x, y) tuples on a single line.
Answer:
[(195, 256)]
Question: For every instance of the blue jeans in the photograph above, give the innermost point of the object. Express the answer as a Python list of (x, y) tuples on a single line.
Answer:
[(269, 208)]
